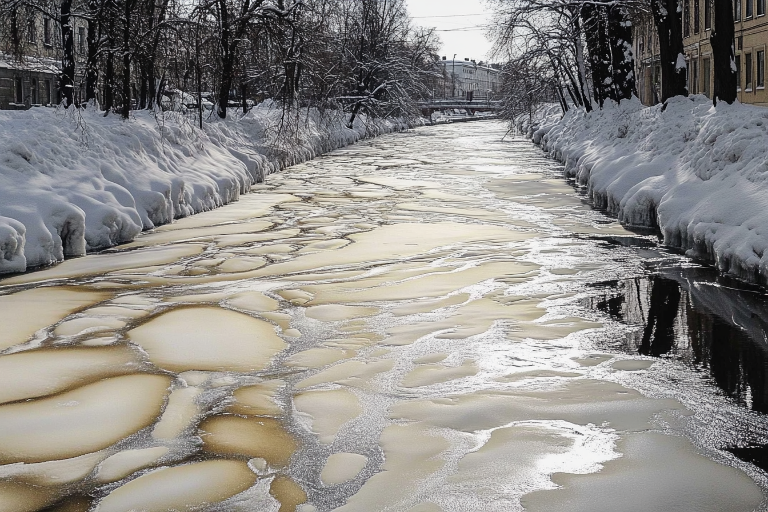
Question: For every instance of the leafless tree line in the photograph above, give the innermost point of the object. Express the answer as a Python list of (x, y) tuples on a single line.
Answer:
[(359, 56), (580, 52)]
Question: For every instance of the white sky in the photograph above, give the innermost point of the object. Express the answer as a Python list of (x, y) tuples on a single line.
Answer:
[(461, 25)]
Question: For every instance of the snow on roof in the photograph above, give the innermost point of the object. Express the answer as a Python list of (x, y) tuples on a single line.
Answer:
[(33, 64)]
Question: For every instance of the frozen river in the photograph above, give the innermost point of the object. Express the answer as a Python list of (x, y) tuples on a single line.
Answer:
[(427, 321)]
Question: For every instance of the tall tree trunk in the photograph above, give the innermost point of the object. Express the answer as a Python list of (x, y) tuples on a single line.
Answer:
[(570, 93), (225, 84), (574, 89), (67, 80), (109, 80), (594, 20), (91, 66), (16, 48), (724, 65), (622, 59), (227, 60), (144, 86), (244, 95), (288, 85), (581, 68), (669, 29), (157, 93), (556, 68), (126, 110)]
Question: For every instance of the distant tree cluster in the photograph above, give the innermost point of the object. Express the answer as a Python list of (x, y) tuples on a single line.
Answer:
[(579, 52), (362, 56)]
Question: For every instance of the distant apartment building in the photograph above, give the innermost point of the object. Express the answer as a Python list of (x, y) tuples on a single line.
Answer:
[(467, 79), (29, 75), (751, 37)]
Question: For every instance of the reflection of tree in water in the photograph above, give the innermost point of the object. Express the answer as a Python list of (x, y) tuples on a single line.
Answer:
[(677, 319), (659, 332)]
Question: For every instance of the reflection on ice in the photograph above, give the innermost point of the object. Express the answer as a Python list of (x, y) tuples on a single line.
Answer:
[(124, 463), (251, 437), (18, 497), (180, 487), (35, 373), (49, 306), (208, 339), (687, 316), (81, 421), (648, 478)]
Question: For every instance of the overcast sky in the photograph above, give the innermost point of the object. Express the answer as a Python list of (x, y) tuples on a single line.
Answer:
[(461, 25)]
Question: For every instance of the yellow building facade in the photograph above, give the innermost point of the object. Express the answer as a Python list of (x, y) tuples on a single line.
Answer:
[(751, 38)]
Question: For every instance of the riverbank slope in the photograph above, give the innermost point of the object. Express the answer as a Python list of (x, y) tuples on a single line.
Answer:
[(73, 181), (697, 173)]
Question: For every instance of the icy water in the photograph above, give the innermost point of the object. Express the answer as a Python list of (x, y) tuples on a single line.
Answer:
[(428, 321)]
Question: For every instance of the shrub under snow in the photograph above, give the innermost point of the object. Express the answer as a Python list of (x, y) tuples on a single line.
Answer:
[(698, 173), (73, 181)]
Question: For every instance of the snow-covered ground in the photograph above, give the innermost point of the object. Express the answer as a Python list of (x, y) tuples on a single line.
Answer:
[(73, 181), (698, 173)]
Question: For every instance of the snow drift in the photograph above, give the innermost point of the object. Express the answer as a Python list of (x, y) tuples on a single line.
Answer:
[(697, 173), (73, 181)]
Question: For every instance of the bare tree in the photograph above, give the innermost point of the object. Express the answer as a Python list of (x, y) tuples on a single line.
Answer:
[(586, 43), (724, 67), (668, 19)]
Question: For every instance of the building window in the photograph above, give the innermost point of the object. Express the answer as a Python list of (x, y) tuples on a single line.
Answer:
[(33, 91), (707, 14), (19, 86), (31, 30), (686, 18), (748, 72), (81, 39), (736, 10), (737, 61), (694, 76), (47, 30), (696, 16), (748, 9), (760, 63), (705, 76), (761, 7)]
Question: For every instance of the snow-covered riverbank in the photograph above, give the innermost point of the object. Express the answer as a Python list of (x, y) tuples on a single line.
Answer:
[(698, 173), (75, 181)]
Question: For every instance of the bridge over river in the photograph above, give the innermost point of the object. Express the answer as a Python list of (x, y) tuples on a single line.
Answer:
[(427, 321), (429, 107)]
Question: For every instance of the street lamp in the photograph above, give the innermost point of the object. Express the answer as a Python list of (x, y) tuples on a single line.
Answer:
[(453, 77)]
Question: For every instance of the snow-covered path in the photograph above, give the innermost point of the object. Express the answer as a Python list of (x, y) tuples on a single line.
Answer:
[(422, 322)]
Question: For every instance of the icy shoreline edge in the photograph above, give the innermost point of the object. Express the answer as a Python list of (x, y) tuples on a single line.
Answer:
[(73, 182), (697, 173)]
